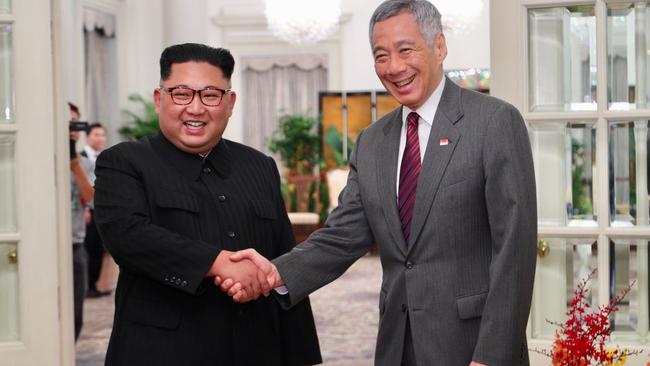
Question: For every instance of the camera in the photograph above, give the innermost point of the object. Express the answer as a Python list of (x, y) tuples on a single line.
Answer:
[(78, 126)]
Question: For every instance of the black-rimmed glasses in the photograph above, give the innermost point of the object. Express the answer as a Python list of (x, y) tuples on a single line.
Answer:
[(183, 95)]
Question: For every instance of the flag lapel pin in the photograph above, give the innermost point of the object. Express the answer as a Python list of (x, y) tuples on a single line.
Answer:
[(444, 142)]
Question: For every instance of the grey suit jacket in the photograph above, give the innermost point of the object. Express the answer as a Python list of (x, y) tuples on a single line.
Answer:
[(465, 277)]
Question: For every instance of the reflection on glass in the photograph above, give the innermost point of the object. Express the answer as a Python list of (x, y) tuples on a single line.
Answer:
[(9, 330), (6, 77), (7, 185), (629, 266), (569, 261), (628, 173), (562, 58), (564, 154), (628, 55)]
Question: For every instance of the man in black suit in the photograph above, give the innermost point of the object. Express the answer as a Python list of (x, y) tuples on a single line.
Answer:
[(171, 209)]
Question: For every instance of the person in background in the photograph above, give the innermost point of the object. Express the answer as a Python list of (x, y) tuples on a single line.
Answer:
[(95, 143), (81, 193)]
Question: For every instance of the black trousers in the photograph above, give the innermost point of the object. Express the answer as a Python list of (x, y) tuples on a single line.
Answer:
[(95, 249), (80, 283)]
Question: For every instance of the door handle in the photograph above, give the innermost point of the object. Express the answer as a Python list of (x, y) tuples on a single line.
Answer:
[(13, 256), (543, 248)]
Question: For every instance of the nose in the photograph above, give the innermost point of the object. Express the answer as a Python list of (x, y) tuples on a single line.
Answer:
[(196, 107), (395, 65)]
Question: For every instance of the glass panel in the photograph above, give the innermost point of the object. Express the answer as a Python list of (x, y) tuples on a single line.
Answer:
[(7, 185), (564, 154), (6, 75), (628, 173), (628, 55), (562, 58), (5, 6), (629, 263), (9, 289), (568, 261)]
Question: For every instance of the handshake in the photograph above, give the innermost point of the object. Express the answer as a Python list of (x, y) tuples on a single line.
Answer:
[(245, 275)]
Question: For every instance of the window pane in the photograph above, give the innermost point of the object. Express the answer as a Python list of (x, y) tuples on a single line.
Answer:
[(628, 173), (9, 289), (6, 75), (629, 263), (628, 55), (7, 185), (562, 58), (564, 154), (568, 261), (5, 6)]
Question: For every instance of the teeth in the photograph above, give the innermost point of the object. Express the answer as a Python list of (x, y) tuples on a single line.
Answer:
[(405, 82), (194, 124)]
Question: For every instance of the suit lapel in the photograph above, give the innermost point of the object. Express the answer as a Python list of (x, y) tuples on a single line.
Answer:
[(387, 153), (437, 156)]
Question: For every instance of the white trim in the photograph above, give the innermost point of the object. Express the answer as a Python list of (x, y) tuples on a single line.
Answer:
[(10, 238)]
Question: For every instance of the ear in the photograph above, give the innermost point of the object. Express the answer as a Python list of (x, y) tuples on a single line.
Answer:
[(156, 100), (232, 99), (441, 47)]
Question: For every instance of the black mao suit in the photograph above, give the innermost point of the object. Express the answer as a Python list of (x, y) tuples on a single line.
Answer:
[(165, 215)]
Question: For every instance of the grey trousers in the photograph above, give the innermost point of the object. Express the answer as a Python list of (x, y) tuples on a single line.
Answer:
[(408, 353), (80, 284)]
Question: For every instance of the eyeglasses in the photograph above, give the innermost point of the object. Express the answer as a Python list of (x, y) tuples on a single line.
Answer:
[(183, 95)]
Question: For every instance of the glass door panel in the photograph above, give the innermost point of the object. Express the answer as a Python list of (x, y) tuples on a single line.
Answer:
[(628, 55), (5, 6), (7, 185), (564, 154), (562, 59), (6, 75), (9, 330), (567, 262)]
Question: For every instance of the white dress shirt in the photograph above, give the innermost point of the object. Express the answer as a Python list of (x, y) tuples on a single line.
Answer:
[(427, 112), (92, 153)]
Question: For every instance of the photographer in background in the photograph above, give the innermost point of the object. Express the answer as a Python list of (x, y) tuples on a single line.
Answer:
[(81, 194), (95, 143)]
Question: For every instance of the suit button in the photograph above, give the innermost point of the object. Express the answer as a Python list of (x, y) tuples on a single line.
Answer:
[(178, 282), (221, 197), (409, 265), (184, 283), (231, 234), (404, 308), (166, 278), (207, 170)]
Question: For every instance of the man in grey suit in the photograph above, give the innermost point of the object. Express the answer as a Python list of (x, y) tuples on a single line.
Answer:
[(445, 186)]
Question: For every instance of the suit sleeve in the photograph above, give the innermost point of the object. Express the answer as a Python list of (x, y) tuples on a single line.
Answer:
[(331, 250), (138, 245), (512, 213)]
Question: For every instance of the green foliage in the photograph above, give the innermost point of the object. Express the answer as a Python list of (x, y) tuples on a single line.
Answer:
[(334, 140), (140, 125), (297, 143), (581, 196)]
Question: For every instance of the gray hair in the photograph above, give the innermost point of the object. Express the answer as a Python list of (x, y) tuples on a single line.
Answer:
[(426, 15)]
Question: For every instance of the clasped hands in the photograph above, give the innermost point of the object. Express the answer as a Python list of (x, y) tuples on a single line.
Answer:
[(245, 275)]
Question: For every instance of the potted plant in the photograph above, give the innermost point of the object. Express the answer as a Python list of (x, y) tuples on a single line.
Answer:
[(140, 125), (298, 145)]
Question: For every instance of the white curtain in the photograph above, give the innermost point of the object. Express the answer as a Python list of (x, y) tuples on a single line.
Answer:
[(101, 73), (277, 86)]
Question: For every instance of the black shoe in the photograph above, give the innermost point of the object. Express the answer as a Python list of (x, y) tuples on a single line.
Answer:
[(94, 293)]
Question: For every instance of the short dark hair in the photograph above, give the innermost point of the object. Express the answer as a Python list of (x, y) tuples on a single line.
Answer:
[(426, 15), (187, 52), (92, 126), (74, 108)]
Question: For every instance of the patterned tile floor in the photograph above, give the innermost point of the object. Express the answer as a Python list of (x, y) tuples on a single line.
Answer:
[(345, 312)]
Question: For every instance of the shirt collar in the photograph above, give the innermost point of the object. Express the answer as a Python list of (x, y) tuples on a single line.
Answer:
[(90, 151), (427, 111), (191, 165)]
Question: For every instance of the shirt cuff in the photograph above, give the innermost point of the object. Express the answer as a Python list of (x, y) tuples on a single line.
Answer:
[(281, 290)]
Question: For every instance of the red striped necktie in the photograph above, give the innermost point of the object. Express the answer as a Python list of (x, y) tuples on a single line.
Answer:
[(409, 173)]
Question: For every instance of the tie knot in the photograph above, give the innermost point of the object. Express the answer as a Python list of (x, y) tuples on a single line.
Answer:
[(413, 119)]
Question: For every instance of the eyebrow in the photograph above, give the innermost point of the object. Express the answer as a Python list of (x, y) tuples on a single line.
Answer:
[(399, 43)]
